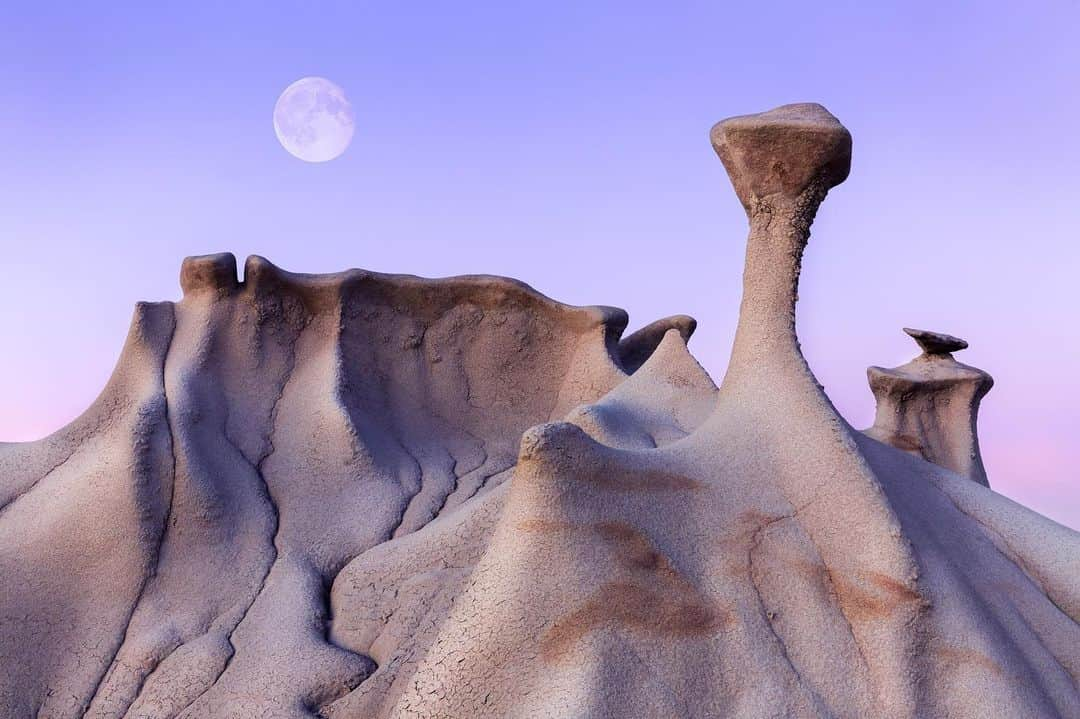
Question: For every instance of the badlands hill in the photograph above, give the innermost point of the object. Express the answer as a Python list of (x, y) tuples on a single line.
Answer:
[(362, 496)]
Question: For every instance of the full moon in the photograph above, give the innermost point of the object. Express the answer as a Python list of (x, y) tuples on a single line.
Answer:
[(313, 120)]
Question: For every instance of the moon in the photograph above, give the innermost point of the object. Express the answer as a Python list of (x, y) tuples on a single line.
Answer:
[(313, 120)]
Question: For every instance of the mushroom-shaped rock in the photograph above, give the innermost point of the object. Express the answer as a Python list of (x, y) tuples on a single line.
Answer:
[(781, 163), (929, 407), (936, 343)]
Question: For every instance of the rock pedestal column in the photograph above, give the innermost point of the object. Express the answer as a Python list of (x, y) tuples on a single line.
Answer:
[(929, 407)]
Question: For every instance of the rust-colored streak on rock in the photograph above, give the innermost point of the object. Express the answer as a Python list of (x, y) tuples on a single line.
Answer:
[(631, 606), (861, 603), (907, 442), (977, 661), (642, 482), (864, 598), (543, 526), (648, 594)]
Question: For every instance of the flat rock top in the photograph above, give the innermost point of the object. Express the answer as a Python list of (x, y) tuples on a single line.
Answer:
[(806, 114), (936, 343), (783, 150)]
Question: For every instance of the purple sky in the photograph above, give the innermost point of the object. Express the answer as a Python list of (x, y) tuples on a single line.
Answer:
[(564, 144)]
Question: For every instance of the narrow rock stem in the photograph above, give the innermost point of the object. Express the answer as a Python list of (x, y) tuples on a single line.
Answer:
[(779, 231)]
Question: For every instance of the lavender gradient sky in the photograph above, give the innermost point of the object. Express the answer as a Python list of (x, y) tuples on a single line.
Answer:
[(564, 144)]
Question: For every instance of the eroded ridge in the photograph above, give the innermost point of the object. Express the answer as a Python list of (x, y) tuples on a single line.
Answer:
[(368, 496)]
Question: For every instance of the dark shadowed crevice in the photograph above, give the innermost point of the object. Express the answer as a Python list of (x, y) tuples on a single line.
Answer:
[(316, 706), (457, 478), (167, 514), (271, 505)]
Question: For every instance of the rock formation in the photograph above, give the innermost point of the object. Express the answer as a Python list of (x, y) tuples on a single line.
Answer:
[(930, 406), (364, 495)]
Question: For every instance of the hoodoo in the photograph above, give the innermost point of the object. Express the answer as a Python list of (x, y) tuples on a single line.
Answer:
[(930, 406), (363, 496)]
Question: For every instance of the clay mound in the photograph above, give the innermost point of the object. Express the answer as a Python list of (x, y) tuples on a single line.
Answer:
[(364, 495)]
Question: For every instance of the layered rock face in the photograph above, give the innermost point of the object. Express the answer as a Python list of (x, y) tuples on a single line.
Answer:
[(365, 495)]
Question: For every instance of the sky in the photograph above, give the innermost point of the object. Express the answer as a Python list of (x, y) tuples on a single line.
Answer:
[(565, 144)]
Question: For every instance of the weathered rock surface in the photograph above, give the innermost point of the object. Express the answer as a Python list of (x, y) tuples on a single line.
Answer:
[(929, 407), (364, 495)]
